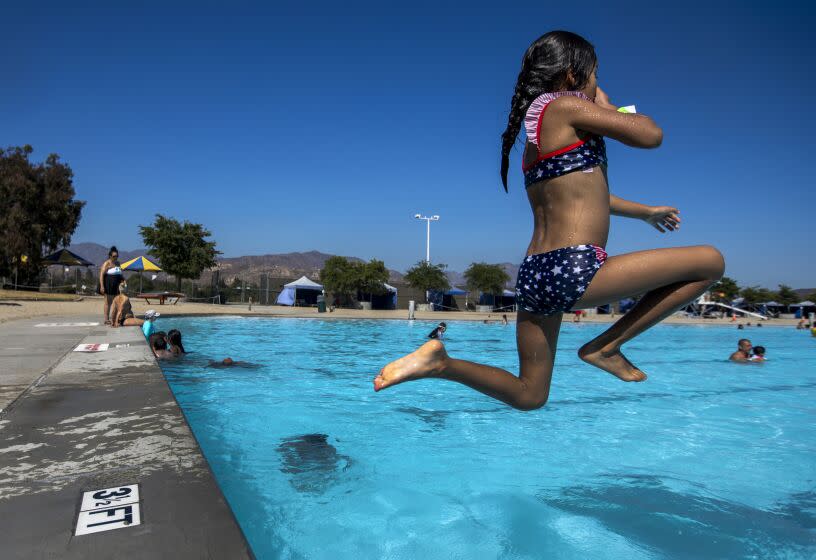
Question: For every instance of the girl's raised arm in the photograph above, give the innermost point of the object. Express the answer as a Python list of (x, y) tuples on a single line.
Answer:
[(602, 118)]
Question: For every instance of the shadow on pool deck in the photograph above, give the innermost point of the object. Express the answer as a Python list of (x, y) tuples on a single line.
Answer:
[(74, 422)]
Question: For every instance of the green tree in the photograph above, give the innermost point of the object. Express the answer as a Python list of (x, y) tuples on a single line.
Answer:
[(425, 276), (727, 287), (339, 276), (486, 278), (755, 294), (38, 212), (181, 248), (345, 278), (786, 295), (371, 277)]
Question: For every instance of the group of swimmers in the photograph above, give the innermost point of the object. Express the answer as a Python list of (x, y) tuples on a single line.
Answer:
[(747, 353), (166, 345)]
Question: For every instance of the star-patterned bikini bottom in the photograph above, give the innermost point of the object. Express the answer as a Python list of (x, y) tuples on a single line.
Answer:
[(552, 282)]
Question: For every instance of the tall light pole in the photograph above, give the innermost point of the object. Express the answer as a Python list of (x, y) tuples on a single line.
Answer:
[(428, 220)]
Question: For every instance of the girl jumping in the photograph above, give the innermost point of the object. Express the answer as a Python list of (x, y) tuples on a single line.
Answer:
[(566, 117)]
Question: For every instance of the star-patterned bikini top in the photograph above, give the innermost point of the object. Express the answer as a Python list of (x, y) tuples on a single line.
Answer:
[(583, 155)]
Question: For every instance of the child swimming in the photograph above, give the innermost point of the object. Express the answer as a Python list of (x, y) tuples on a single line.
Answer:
[(567, 116)]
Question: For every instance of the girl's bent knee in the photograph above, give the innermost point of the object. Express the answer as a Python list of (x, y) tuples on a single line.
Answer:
[(714, 263), (530, 402)]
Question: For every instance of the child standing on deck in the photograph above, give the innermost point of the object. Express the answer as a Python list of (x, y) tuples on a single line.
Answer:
[(567, 116)]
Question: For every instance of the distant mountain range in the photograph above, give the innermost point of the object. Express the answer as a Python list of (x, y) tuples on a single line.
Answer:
[(253, 267), (287, 265), (250, 267)]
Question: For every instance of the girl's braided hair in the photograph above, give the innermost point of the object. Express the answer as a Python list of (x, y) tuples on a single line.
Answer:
[(555, 60)]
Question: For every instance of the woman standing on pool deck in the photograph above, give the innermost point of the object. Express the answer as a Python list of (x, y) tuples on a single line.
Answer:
[(110, 276), (566, 267)]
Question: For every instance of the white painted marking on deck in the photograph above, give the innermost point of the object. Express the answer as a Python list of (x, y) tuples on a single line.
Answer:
[(109, 508), (94, 347), (66, 324), (107, 497), (98, 520)]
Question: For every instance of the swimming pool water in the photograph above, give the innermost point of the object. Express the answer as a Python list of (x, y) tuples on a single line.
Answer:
[(706, 459)]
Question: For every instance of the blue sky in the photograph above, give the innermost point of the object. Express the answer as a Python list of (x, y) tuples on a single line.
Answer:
[(294, 126)]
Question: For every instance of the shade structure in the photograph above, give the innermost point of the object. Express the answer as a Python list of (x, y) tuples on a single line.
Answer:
[(771, 304), (393, 293), (64, 257), (806, 303), (289, 294), (454, 291), (140, 264)]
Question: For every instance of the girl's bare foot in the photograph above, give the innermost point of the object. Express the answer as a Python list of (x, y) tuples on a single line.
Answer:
[(426, 361), (612, 361)]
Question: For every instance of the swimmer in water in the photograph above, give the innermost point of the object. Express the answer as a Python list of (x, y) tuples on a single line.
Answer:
[(158, 343), (439, 331), (743, 352), (759, 354), (229, 362), (174, 342), (567, 116)]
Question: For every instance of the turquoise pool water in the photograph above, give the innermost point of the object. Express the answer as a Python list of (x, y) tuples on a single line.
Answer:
[(707, 459)]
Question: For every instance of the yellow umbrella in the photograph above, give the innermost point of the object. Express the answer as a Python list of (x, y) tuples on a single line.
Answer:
[(140, 264)]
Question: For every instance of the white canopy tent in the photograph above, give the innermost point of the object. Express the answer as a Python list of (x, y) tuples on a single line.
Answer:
[(289, 294)]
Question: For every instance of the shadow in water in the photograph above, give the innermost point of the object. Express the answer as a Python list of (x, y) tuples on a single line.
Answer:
[(436, 418), (644, 510), (311, 462)]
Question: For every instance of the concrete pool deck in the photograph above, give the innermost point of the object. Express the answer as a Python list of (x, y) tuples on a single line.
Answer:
[(72, 422)]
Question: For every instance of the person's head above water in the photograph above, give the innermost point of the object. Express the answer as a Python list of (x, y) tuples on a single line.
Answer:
[(174, 338), (228, 361), (556, 61), (158, 340), (744, 345), (443, 326), (759, 350)]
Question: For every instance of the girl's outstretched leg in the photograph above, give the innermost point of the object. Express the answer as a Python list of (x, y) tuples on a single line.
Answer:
[(536, 338), (670, 278)]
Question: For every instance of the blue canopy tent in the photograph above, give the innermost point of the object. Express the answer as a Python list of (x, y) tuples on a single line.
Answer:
[(506, 300), (803, 307), (444, 300), (626, 304), (392, 291), (388, 300), (301, 291)]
